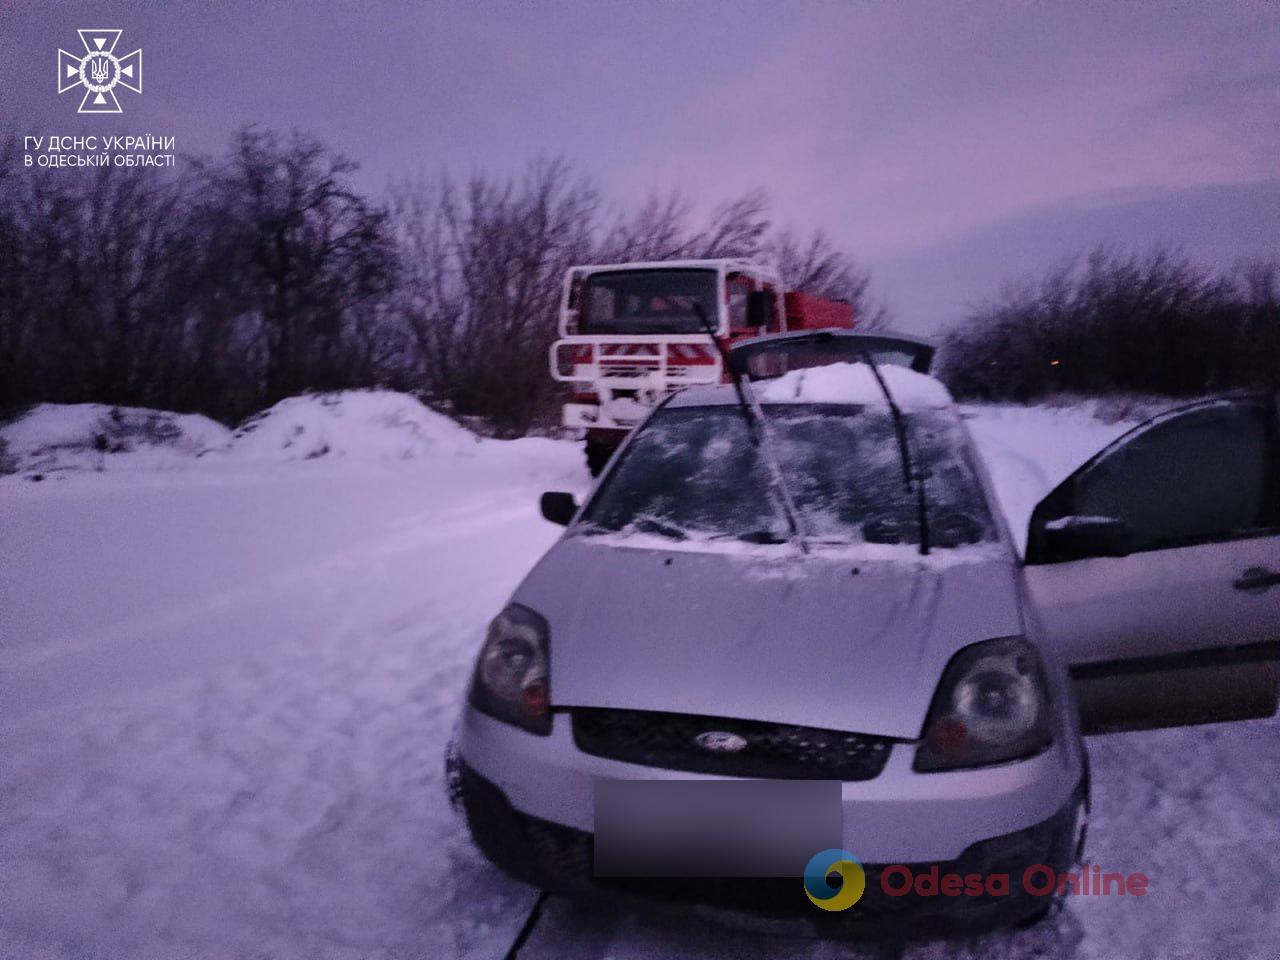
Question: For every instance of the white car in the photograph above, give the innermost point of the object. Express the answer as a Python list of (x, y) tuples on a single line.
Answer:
[(921, 687)]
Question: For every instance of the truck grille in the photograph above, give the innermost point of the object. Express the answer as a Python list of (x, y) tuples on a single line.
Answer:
[(626, 370), (773, 750)]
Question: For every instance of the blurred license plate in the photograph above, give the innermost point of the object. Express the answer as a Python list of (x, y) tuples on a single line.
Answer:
[(713, 828)]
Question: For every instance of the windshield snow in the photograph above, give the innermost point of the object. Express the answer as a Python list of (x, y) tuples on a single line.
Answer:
[(693, 473)]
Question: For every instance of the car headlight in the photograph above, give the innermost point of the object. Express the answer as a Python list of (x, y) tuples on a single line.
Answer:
[(511, 677), (992, 706)]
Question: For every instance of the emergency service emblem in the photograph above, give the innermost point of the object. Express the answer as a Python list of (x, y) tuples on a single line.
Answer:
[(99, 71)]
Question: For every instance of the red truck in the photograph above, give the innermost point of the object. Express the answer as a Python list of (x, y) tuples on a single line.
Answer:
[(632, 333)]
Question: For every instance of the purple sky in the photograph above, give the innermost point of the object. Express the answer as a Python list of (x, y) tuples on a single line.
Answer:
[(947, 145)]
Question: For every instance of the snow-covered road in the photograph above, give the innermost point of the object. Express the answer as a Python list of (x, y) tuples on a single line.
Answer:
[(226, 706), (225, 691)]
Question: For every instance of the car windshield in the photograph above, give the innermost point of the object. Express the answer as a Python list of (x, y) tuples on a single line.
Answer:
[(647, 301), (693, 473)]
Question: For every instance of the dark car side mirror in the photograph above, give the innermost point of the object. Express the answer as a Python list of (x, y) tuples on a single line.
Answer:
[(558, 507), (1078, 538)]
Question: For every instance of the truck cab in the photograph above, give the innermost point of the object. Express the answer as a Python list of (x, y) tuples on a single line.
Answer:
[(633, 333)]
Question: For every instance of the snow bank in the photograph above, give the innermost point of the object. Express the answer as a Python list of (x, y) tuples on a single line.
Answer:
[(855, 383), (357, 424), (350, 424), (93, 436)]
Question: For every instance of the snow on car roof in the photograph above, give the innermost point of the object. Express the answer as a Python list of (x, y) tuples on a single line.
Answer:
[(852, 383)]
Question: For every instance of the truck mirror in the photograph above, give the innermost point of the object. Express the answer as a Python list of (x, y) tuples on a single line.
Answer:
[(760, 308)]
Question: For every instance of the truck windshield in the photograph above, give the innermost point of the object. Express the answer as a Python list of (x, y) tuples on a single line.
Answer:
[(647, 301), (692, 473)]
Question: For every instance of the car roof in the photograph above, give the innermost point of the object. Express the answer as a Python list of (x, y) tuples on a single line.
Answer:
[(838, 341), (821, 333)]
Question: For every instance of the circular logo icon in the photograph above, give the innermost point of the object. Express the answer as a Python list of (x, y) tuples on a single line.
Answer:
[(99, 71), (830, 896), (720, 741)]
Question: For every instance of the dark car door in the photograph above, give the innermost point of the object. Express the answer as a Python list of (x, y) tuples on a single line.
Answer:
[(1155, 569)]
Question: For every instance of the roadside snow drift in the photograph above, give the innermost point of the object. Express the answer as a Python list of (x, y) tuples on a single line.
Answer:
[(360, 424), (357, 425), (94, 436)]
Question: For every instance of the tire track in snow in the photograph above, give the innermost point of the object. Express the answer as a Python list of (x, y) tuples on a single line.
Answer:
[(233, 624), (289, 802)]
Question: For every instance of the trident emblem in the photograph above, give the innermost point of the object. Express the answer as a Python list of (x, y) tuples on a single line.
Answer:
[(99, 71)]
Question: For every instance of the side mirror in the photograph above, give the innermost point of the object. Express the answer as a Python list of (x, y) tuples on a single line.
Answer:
[(558, 507), (1078, 538), (760, 308)]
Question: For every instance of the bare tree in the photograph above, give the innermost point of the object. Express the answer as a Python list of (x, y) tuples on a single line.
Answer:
[(657, 230), (316, 256), (266, 274), (87, 285), (817, 266), (485, 264), (737, 228), (661, 229)]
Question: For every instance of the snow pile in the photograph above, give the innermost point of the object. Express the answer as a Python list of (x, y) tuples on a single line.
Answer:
[(347, 426), (356, 424), (855, 383), (94, 436)]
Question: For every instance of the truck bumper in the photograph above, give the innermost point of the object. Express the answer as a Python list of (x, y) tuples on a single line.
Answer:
[(618, 415)]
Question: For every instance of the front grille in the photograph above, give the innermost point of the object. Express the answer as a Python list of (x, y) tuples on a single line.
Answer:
[(773, 750), (627, 370)]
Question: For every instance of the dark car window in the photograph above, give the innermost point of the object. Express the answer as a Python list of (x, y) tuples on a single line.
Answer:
[(694, 473), (1209, 474)]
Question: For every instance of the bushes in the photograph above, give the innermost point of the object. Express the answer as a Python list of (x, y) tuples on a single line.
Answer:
[(1113, 322), (483, 263), (264, 273), (252, 277)]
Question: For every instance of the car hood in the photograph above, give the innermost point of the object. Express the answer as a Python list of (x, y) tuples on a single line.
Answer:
[(835, 641)]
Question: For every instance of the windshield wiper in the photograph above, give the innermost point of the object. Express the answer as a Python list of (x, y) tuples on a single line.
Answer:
[(760, 536), (650, 524), (904, 451), (758, 429), (768, 537)]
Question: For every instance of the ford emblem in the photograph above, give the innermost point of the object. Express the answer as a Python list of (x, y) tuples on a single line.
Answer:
[(720, 741)]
